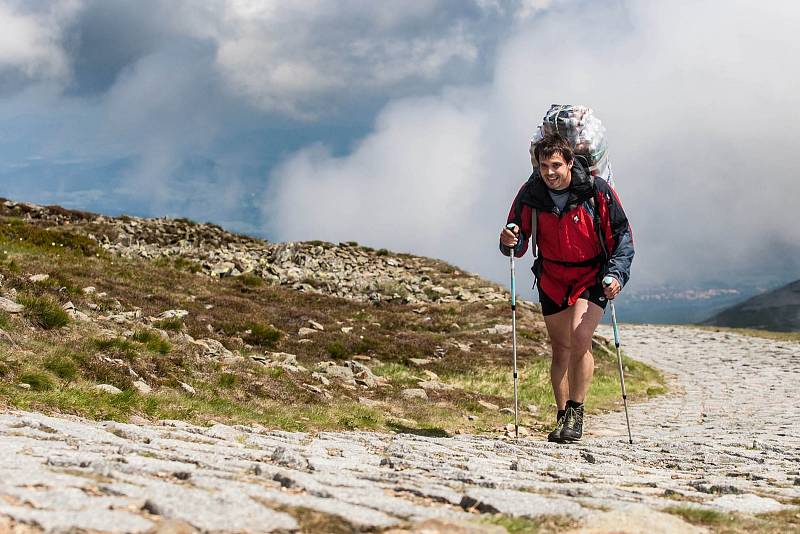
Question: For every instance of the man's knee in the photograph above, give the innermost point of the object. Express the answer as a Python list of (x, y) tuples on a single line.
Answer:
[(560, 347), (581, 343)]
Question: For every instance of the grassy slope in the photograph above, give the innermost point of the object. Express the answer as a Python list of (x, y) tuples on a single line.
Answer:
[(249, 316)]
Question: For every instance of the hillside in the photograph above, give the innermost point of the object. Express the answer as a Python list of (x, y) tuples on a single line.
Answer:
[(777, 310), (151, 319)]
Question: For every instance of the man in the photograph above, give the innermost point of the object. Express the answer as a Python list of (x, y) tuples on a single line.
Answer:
[(573, 212)]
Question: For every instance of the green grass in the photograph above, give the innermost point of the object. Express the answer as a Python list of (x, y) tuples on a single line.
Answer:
[(153, 341), (700, 516), (118, 346), (5, 320), (227, 380), (337, 350), (397, 373), (37, 381), (249, 280), (262, 335), (44, 311), (641, 381), (199, 409), (16, 232), (524, 525), (62, 366), (173, 324)]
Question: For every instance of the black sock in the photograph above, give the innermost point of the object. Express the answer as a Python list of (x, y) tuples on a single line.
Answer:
[(574, 404), (560, 414)]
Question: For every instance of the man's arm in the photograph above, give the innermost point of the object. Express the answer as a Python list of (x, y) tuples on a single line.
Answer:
[(619, 237), (519, 215)]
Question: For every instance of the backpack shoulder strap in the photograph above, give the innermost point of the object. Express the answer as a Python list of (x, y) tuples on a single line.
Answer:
[(598, 225), (534, 225)]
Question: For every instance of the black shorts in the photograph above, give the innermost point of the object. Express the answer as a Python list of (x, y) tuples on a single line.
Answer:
[(593, 294)]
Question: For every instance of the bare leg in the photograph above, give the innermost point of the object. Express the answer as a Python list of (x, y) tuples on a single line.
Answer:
[(585, 317), (559, 328)]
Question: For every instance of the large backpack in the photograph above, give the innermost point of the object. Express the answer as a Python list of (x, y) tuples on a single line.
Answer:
[(585, 133), (586, 136)]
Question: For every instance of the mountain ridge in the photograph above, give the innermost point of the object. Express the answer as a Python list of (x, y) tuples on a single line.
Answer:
[(776, 310)]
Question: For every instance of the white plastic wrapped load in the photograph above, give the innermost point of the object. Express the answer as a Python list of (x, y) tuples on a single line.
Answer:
[(585, 134)]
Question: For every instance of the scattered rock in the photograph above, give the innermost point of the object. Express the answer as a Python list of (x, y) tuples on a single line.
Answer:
[(107, 388), (340, 372), (447, 526), (289, 458), (414, 393), (9, 306), (142, 387), (170, 314), (187, 388), (215, 349), (636, 519), (305, 331), (89, 290), (434, 385), (173, 526), (498, 329), (347, 329), (315, 325), (488, 405), (69, 307), (519, 503), (747, 504), (39, 277), (509, 429), (286, 361)]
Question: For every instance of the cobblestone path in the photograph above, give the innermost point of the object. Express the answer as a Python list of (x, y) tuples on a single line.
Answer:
[(726, 438)]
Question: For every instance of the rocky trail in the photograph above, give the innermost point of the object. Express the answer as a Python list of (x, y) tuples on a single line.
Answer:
[(725, 438)]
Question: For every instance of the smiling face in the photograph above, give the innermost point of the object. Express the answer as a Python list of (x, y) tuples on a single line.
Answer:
[(555, 171)]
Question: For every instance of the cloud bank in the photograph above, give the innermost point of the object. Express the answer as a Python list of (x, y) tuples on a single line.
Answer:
[(154, 106), (697, 99)]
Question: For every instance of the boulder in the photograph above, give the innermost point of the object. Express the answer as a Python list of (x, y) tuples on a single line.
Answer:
[(107, 388), (9, 306), (414, 393)]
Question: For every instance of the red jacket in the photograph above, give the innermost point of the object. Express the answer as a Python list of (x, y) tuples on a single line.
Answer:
[(571, 258)]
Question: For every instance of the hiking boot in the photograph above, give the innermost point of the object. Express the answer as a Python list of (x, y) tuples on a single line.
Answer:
[(555, 435), (573, 423)]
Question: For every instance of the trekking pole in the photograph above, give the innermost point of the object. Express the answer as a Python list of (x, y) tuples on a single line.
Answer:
[(514, 335), (607, 281)]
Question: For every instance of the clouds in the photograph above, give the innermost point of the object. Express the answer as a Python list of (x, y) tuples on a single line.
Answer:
[(150, 87), (399, 187), (30, 43), (699, 124), (317, 52)]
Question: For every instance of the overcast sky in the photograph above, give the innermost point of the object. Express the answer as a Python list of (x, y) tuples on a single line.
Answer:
[(406, 125)]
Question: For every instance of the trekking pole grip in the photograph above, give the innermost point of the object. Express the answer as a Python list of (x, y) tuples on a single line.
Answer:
[(607, 282)]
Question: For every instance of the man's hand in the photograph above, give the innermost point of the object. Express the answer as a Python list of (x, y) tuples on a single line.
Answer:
[(612, 289), (508, 237)]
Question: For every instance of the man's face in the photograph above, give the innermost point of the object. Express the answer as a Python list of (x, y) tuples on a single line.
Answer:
[(556, 172)]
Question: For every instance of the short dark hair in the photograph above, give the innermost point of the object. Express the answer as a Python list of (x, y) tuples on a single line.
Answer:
[(553, 144)]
